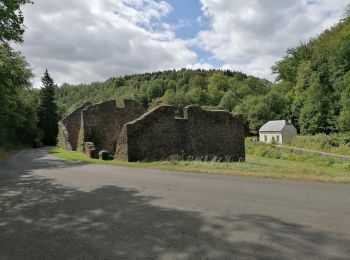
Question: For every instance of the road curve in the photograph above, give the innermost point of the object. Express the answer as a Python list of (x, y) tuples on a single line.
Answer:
[(56, 209)]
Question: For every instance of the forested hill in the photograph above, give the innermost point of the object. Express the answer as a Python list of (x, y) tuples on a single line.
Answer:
[(211, 89), (313, 87), (315, 80)]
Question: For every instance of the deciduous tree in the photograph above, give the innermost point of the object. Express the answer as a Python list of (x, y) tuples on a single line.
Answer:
[(11, 20)]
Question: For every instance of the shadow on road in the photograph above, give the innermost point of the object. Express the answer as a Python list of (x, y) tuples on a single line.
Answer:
[(43, 220)]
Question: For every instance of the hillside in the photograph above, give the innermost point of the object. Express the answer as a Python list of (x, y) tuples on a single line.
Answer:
[(212, 89)]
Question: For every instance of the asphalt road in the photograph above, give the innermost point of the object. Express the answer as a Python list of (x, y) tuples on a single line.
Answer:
[(55, 209)]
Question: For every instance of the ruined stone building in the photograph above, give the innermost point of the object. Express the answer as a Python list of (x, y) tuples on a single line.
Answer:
[(133, 135), (69, 127), (103, 122), (201, 134), (99, 124)]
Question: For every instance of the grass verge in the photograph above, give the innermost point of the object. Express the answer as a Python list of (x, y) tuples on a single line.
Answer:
[(333, 143), (255, 166)]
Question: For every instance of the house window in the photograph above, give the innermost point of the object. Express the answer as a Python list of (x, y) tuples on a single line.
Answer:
[(265, 138), (273, 139), (277, 138)]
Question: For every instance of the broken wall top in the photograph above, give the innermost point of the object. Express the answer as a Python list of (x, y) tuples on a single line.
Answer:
[(158, 134), (69, 128), (102, 122)]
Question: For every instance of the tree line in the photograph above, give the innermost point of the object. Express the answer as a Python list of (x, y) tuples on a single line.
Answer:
[(26, 114), (212, 89)]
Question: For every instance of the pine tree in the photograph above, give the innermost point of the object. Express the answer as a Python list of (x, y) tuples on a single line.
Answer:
[(47, 111)]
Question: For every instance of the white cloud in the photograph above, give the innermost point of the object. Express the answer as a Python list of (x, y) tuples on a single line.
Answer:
[(203, 66), (80, 41), (250, 35), (88, 40)]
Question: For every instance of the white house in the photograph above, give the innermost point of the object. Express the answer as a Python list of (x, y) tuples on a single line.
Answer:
[(278, 130)]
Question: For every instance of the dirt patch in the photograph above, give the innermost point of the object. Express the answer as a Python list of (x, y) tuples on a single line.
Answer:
[(5, 154)]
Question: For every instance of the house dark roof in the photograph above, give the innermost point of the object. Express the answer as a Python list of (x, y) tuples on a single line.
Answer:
[(274, 126)]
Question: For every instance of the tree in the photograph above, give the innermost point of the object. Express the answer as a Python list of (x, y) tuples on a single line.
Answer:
[(17, 119), (255, 111), (260, 109), (155, 89), (346, 12), (47, 110), (18, 101), (11, 20), (228, 101), (196, 95), (344, 117), (317, 113), (217, 87)]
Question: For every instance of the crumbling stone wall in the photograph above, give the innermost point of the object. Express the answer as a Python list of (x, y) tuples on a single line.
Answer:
[(102, 123), (201, 134), (215, 133), (69, 127)]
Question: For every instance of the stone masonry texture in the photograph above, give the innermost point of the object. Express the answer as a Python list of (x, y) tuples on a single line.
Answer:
[(69, 127), (102, 123), (201, 134)]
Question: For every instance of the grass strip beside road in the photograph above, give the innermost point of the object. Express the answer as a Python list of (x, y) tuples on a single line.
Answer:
[(255, 166)]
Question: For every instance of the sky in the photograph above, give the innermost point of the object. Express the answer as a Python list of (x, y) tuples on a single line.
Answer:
[(81, 41)]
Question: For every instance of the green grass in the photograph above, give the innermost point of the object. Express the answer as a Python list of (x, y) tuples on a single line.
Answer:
[(268, 151), (334, 143), (255, 165)]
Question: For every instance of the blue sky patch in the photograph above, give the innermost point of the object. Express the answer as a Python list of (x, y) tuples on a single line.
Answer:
[(188, 20), (207, 57), (184, 17)]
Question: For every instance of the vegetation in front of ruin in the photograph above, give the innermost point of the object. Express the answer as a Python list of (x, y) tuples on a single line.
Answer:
[(265, 162)]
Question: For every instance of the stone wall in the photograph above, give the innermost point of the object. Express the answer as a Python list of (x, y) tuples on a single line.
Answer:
[(201, 134), (102, 123), (69, 127)]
